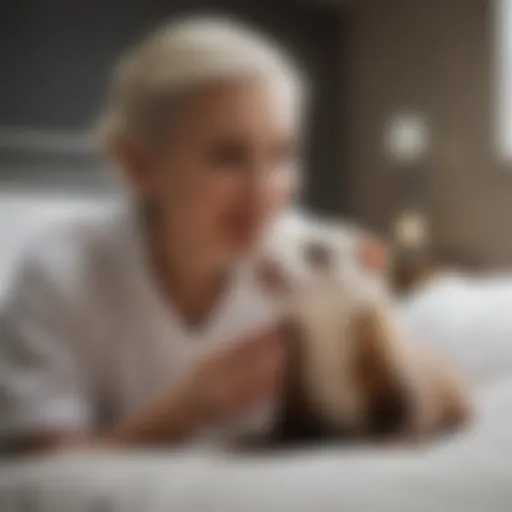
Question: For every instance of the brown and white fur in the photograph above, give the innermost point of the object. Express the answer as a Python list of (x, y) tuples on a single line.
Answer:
[(354, 371)]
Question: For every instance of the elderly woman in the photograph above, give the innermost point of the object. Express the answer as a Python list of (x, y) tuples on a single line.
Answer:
[(140, 325)]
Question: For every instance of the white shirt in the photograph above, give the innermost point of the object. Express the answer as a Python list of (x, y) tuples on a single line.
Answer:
[(85, 337)]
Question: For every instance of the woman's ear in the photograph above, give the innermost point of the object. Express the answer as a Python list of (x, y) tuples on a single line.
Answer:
[(134, 161)]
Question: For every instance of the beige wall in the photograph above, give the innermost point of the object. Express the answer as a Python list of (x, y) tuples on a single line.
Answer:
[(434, 56)]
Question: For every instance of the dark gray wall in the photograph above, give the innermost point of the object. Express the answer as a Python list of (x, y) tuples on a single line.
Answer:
[(55, 56), (436, 57)]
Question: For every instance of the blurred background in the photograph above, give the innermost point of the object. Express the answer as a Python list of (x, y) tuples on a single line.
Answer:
[(410, 131)]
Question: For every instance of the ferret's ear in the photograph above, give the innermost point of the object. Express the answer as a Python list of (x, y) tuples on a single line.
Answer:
[(271, 276), (374, 254)]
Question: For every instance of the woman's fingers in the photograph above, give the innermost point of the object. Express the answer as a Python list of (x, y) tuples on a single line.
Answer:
[(247, 373), (263, 375), (264, 358), (260, 384)]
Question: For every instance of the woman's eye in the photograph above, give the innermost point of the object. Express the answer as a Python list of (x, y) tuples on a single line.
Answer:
[(236, 155), (283, 153), (230, 154)]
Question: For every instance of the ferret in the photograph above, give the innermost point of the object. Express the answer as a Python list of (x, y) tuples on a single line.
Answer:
[(354, 372)]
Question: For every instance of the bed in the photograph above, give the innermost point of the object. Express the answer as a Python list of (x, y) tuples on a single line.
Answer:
[(469, 319)]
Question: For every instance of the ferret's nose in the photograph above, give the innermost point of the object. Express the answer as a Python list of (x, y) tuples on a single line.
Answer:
[(270, 274), (390, 411)]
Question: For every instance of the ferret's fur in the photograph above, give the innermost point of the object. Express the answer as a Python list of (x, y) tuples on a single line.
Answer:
[(354, 370)]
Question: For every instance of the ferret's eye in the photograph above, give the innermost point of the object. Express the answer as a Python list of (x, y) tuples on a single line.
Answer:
[(317, 254)]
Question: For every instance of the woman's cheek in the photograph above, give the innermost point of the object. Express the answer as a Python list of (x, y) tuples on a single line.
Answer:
[(285, 185), (237, 212), (215, 200)]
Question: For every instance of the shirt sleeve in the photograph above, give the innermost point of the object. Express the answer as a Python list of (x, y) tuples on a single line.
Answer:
[(42, 380)]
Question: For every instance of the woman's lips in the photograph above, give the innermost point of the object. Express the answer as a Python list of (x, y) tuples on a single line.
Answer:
[(247, 229)]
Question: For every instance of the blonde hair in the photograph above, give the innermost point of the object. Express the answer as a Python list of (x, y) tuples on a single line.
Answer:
[(151, 81)]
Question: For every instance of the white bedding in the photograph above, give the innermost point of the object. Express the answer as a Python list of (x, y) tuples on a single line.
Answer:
[(470, 320), (471, 473)]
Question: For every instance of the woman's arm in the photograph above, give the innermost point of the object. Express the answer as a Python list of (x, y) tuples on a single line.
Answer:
[(170, 420)]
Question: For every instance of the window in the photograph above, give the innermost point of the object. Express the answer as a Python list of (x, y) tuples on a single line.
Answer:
[(503, 76)]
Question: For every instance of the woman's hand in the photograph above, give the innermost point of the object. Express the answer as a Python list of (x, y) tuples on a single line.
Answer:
[(237, 377), (225, 384)]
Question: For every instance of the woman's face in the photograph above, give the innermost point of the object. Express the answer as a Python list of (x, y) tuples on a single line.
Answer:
[(227, 170)]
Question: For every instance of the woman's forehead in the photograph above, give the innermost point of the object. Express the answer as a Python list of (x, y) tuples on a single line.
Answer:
[(239, 103)]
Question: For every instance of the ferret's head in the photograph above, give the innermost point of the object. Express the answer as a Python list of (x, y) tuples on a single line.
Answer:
[(348, 370)]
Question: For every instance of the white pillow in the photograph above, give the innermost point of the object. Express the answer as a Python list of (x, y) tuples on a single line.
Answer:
[(469, 320)]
